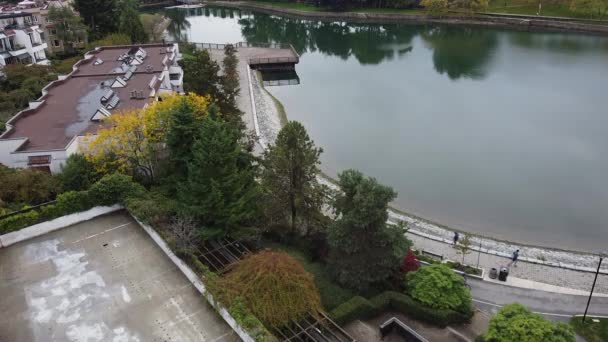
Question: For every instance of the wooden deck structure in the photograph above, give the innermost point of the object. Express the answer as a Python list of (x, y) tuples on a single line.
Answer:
[(263, 57)]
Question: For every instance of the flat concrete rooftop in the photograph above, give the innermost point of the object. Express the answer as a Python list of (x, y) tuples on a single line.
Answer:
[(100, 280)]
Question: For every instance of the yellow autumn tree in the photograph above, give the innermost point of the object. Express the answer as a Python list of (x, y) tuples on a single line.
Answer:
[(133, 141)]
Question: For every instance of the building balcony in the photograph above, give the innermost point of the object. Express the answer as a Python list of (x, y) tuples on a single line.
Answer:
[(38, 46), (18, 50)]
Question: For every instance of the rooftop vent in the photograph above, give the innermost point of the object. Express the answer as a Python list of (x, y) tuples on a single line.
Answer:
[(128, 75), (98, 61), (137, 94), (152, 82), (100, 114), (149, 68), (113, 102), (119, 83), (107, 95)]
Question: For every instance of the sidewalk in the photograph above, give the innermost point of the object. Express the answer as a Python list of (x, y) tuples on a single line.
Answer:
[(525, 274)]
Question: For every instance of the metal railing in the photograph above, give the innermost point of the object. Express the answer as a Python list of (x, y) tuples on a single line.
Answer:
[(271, 83), (243, 45), (34, 207), (272, 60)]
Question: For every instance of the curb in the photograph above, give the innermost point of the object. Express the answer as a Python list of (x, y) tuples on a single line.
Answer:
[(55, 224), (195, 280)]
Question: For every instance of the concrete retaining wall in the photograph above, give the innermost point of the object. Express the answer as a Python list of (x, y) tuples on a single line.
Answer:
[(196, 281), (419, 19), (52, 225)]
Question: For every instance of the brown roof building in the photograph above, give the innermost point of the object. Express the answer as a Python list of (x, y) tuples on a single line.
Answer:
[(107, 80)]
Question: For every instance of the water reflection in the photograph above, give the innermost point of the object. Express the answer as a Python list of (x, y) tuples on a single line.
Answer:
[(179, 25), (461, 51), (457, 52)]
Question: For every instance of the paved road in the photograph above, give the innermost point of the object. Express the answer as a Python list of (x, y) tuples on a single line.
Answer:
[(489, 296)]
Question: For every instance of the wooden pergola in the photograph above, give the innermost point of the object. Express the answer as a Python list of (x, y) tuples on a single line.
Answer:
[(219, 253), (313, 328)]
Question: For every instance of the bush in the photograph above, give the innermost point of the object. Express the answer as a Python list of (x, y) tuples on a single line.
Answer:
[(355, 308), (17, 186), (78, 173), (273, 285), (435, 7), (515, 322), (115, 188), (152, 207), (18, 221), (437, 286), (72, 202), (361, 308)]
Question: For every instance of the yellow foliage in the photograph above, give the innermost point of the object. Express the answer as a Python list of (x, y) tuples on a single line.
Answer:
[(132, 140)]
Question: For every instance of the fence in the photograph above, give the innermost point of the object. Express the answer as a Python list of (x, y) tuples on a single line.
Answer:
[(35, 207), (244, 45), (271, 83), (272, 60)]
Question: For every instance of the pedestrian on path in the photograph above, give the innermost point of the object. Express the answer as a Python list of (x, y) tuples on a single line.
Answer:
[(456, 237), (514, 258)]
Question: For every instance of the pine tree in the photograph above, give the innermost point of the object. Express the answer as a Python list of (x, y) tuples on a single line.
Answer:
[(220, 190), (289, 177), (181, 135), (230, 88), (101, 16), (363, 248), (129, 22)]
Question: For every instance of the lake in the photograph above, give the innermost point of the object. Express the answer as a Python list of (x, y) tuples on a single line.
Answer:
[(497, 132)]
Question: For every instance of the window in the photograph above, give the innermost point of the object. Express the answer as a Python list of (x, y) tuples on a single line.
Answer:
[(53, 31), (174, 77), (39, 160), (56, 43)]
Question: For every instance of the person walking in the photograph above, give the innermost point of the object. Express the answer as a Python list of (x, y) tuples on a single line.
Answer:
[(514, 258), (456, 237)]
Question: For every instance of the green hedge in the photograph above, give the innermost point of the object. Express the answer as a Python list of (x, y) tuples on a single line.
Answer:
[(16, 222), (111, 189), (361, 308)]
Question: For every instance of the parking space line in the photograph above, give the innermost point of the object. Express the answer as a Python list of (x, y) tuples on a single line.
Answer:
[(105, 231)]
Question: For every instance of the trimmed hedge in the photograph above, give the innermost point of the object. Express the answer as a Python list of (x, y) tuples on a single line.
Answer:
[(111, 189), (16, 222), (361, 308)]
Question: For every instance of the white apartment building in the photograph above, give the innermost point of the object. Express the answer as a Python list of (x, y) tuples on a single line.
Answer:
[(21, 40), (108, 80)]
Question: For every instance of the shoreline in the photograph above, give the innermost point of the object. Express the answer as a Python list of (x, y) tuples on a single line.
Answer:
[(522, 24), (268, 118)]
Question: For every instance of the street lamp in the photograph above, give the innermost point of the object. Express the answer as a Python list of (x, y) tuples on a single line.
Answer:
[(602, 256)]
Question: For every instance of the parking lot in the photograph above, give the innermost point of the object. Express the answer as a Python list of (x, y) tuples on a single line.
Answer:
[(100, 280)]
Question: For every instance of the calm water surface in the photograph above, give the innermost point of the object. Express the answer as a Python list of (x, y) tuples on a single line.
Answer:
[(499, 132)]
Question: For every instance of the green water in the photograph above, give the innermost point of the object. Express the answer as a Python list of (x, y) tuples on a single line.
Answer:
[(498, 132)]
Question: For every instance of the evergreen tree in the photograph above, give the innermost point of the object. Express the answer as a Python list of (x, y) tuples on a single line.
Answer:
[(101, 16), (129, 22), (181, 135), (201, 74), (230, 88), (289, 177), (363, 248), (220, 190)]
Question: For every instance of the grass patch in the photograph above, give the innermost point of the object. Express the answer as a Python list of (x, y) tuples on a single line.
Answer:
[(531, 8), (591, 331), (292, 5), (390, 10), (332, 294)]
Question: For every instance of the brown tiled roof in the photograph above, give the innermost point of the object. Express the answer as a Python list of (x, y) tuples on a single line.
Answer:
[(69, 104)]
